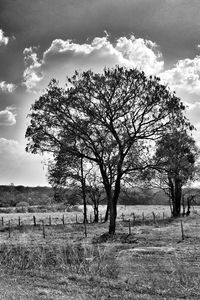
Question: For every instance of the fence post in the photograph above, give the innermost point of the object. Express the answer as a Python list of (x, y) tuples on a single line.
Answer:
[(122, 217), (76, 219), (9, 228), (133, 217), (2, 221), (49, 220), (101, 218), (129, 226), (34, 221), (85, 227), (43, 229), (63, 220), (154, 217), (182, 231), (19, 221), (143, 218)]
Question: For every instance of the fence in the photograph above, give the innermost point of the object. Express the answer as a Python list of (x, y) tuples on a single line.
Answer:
[(130, 221)]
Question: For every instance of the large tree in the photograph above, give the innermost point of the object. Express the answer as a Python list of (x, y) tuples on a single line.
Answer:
[(104, 118)]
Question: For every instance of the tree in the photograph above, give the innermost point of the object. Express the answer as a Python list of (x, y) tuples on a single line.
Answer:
[(176, 156), (104, 118), (65, 168)]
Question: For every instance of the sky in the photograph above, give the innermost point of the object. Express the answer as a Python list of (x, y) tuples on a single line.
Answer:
[(45, 39)]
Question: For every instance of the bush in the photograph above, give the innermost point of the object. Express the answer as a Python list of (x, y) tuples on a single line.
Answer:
[(76, 208), (6, 210)]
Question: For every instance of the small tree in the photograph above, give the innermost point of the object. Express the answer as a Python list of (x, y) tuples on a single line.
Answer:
[(103, 118), (176, 155), (65, 169)]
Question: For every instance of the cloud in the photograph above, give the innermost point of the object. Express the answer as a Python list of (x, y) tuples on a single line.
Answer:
[(7, 87), (7, 116), (63, 57), (32, 74), (184, 75), (3, 39)]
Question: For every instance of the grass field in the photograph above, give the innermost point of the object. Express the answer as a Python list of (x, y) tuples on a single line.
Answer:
[(156, 260)]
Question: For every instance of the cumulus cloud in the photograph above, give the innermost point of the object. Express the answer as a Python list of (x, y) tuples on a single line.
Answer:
[(63, 57), (3, 39), (7, 87), (32, 74), (7, 116), (184, 75)]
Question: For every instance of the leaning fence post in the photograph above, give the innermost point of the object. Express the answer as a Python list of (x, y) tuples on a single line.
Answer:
[(182, 231)]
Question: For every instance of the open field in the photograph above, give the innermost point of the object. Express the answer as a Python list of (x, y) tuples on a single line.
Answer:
[(156, 260)]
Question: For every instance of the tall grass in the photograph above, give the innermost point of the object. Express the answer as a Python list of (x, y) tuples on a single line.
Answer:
[(81, 259)]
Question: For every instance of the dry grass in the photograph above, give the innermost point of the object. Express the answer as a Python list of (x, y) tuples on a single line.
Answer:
[(151, 263)]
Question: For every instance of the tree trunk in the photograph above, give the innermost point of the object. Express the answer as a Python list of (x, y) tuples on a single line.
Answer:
[(113, 205), (176, 195), (84, 194), (113, 215), (107, 213), (96, 214)]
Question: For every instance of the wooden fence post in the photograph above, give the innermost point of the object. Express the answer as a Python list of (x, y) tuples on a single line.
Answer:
[(182, 231), (129, 226), (154, 217), (9, 229), (19, 221), (49, 220), (134, 217), (76, 219), (63, 219), (85, 228), (101, 218), (143, 218), (43, 229), (34, 221)]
